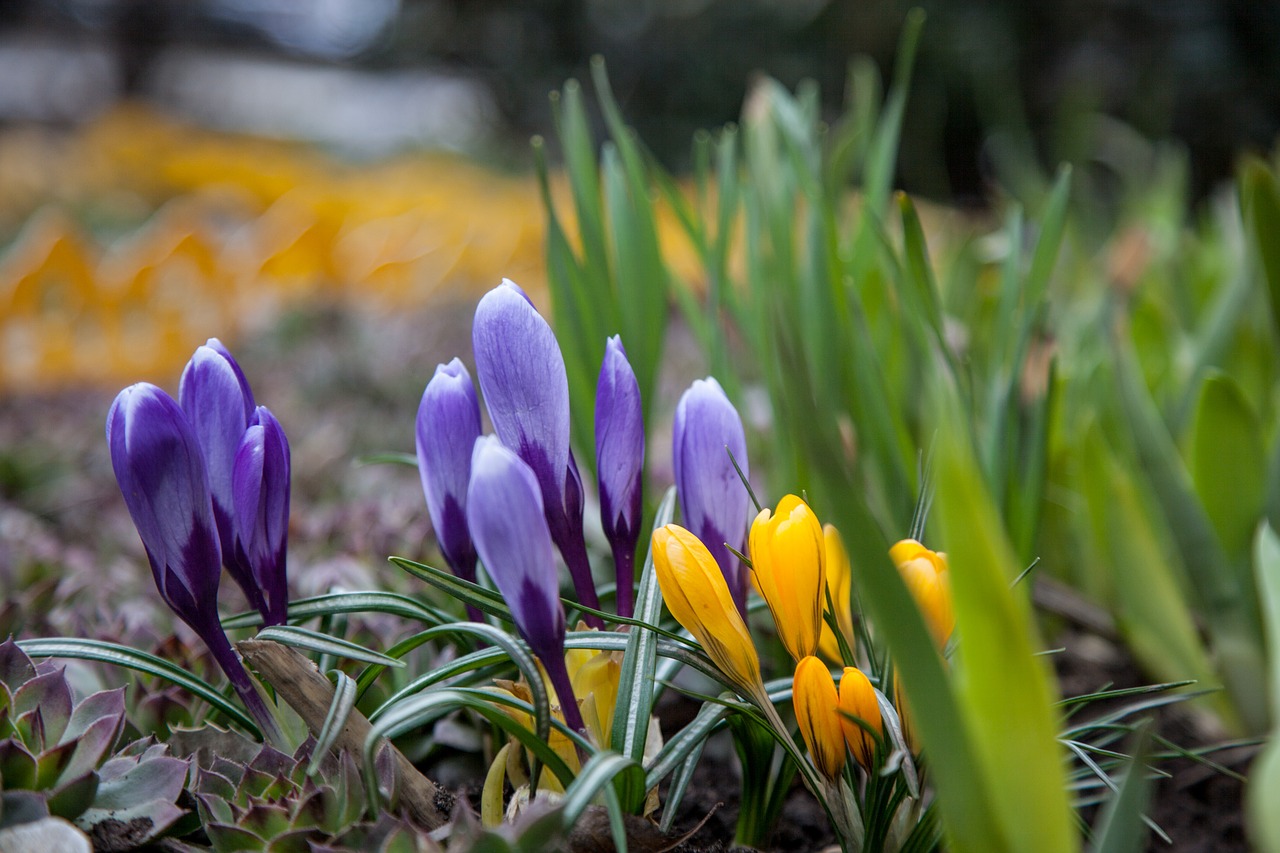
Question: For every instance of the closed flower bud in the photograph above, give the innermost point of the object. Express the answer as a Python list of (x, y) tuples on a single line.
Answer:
[(526, 389), (620, 463), (816, 703), (788, 557), (260, 483), (218, 403), (698, 597), (840, 586), (714, 502), (447, 427), (858, 699), (926, 575)]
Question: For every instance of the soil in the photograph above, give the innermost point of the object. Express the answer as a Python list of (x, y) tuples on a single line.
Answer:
[(347, 383)]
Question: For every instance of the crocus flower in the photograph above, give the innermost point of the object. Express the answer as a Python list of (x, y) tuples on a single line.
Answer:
[(620, 463), (813, 692), (161, 472), (447, 428), (218, 403), (926, 575), (260, 488), (522, 375), (840, 588), (697, 595), (505, 514), (788, 558), (858, 699), (713, 500)]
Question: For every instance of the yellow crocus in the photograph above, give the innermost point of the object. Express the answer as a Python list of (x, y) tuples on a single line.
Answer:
[(788, 559), (840, 585), (697, 595), (813, 692), (595, 681), (858, 698), (928, 579)]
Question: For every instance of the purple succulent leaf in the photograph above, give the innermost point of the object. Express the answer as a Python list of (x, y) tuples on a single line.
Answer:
[(15, 667), (49, 693), (92, 747), (447, 427), (217, 401), (103, 704), (73, 796), (713, 500), (504, 512), (51, 766), (17, 765), (526, 388), (160, 469), (148, 820), (261, 479), (141, 781), (215, 808)]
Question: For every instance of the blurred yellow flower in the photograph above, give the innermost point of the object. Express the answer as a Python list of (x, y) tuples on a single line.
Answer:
[(813, 692), (697, 595), (840, 585), (928, 579), (858, 698), (788, 557)]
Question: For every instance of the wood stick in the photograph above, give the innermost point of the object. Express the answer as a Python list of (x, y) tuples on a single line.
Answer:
[(298, 682)]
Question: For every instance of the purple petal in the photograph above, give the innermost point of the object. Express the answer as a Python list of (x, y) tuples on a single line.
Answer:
[(713, 500), (619, 444), (447, 428), (504, 512), (261, 498), (160, 469), (526, 389), (218, 403)]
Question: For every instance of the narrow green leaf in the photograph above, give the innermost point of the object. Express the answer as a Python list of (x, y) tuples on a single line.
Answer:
[(1260, 195), (344, 701), (1121, 828), (1264, 781), (335, 603), (1228, 463), (314, 641)]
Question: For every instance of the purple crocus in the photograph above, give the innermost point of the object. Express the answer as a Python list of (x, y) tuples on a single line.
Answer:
[(447, 428), (161, 472), (218, 403), (526, 388), (260, 490), (713, 500), (507, 521), (620, 463)]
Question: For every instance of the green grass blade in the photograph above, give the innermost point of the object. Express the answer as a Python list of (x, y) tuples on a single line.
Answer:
[(314, 641), (1263, 817), (335, 603), (344, 701)]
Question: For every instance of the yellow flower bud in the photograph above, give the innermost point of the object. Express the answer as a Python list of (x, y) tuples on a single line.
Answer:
[(858, 698), (813, 693), (840, 585), (697, 595), (927, 577), (788, 557)]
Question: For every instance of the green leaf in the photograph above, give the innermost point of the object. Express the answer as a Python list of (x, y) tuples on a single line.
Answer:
[(117, 655), (1121, 828), (314, 641), (1264, 818), (344, 701), (1260, 197), (594, 778), (1228, 463), (1005, 692), (334, 603)]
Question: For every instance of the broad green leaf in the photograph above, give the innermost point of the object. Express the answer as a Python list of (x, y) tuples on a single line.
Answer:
[(1260, 195), (1228, 463)]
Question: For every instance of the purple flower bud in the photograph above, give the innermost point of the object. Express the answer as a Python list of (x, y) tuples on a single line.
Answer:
[(260, 482), (447, 428), (218, 404), (505, 513), (522, 374), (620, 463), (713, 500), (160, 469)]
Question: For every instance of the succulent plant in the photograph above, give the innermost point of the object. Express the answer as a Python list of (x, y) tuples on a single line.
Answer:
[(58, 758)]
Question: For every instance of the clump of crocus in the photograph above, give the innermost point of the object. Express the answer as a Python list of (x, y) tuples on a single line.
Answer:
[(448, 425), (619, 426), (788, 559), (928, 579), (707, 439), (161, 472), (840, 590), (526, 389), (698, 597), (505, 515), (218, 403)]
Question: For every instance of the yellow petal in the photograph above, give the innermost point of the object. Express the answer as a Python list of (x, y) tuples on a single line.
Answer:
[(840, 586), (814, 695), (927, 577), (788, 555), (698, 597), (858, 697)]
